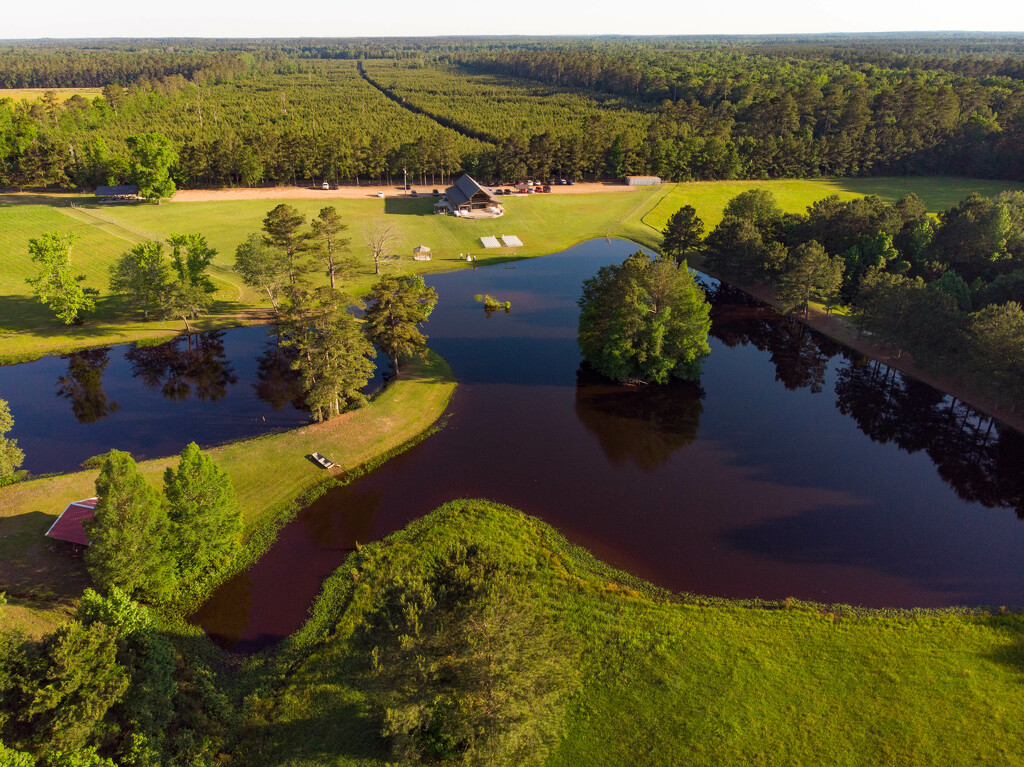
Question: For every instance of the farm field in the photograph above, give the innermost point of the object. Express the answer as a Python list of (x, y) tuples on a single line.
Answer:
[(35, 94), (546, 224), (665, 680), (499, 107)]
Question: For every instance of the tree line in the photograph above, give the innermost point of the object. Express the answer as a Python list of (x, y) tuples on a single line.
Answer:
[(946, 290)]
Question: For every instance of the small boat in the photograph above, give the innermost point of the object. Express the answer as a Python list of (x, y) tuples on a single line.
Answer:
[(324, 461)]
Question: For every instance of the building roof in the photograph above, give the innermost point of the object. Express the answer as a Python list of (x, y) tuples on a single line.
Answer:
[(421, 249), (464, 188), (124, 190), (68, 526)]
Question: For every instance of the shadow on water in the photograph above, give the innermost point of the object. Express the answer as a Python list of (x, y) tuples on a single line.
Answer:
[(641, 425)]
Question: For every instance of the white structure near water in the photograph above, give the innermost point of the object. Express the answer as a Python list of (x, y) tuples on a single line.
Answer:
[(490, 242)]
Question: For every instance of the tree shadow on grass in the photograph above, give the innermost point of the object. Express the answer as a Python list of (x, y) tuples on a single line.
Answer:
[(409, 206), (33, 565)]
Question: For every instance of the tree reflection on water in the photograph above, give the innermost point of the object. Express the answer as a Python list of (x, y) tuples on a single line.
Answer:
[(194, 364), (83, 385), (643, 425), (975, 454)]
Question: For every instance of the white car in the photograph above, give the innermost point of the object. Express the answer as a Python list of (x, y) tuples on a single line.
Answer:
[(380, 194), (325, 185)]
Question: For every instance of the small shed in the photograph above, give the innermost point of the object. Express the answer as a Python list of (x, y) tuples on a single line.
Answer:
[(643, 180), (421, 253), (122, 192), (68, 526)]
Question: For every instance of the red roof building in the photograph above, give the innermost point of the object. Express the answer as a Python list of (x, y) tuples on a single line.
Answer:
[(68, 526)]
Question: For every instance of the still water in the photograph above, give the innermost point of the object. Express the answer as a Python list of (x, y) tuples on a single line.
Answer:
[(209, 388), (796, 467)]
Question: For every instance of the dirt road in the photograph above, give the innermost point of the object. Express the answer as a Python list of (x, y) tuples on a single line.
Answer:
[(354, 192)]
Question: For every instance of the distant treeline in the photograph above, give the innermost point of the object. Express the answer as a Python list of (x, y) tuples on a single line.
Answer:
[(255, 112)]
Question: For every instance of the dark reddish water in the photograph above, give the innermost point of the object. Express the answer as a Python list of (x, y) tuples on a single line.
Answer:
[(796, 468)]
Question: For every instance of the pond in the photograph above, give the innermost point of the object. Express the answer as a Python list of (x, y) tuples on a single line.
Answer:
[(209, 388), (796, 468)]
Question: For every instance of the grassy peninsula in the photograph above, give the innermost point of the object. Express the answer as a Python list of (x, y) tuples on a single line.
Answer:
[(661, 679)]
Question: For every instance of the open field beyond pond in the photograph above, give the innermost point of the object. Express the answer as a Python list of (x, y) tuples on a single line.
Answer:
[(546, 224), (34, 94)]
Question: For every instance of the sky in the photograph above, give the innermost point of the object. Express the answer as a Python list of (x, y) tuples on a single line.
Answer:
[(387, 18)]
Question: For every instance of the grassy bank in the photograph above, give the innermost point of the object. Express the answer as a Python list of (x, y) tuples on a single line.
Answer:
[(667, 680), (271, 476)]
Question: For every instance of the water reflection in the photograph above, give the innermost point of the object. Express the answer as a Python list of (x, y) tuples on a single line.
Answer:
[(279, 384), (642, 425), (971, 452), (195, 362), (977, 458), (83, 385), (800, 355)]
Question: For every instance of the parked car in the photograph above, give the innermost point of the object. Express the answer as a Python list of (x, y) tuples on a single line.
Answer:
[(530, 190), (562, 181), (414, 193), (570, 182), (380, 194), (498, 192), (508, 191), (437, 193), (547, 188), (325, 185)]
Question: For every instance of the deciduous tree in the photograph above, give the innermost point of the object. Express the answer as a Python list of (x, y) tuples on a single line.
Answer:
[(141, 276), (55, 285), (152, 156), (11, 456), (645, 319), (262, 267)]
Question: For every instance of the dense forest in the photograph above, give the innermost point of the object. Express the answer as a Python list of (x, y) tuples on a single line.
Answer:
[(272, 112)]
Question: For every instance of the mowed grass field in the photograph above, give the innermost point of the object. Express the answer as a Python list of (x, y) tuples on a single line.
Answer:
[(545, 224), (668, 681), (268, 473), (709, 198), (35, 94)]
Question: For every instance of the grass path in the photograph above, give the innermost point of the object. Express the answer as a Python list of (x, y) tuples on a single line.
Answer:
[(270, 475)]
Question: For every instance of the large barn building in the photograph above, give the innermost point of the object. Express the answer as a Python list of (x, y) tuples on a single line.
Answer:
[(466, 195)]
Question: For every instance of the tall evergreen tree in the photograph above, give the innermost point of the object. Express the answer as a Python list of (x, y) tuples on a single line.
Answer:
[(129, 533), (397, 307), (809, 275), (281, 226), (683, 233), (327, 230), (203, 515)]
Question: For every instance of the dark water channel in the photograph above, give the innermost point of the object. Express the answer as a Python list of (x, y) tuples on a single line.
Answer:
[(796, 468), (209, 388)]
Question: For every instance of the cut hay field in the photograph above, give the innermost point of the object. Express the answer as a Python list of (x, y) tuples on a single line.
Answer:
[(545, 223), (35, 94)]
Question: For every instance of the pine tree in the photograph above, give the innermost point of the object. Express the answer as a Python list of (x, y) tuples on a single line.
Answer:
[(683, 233), (394, 312), (129, 533), (203, 515)]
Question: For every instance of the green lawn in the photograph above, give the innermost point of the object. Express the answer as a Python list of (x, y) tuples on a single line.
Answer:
[(545, 223), (710, 197), (270, 475), (675, 680)]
